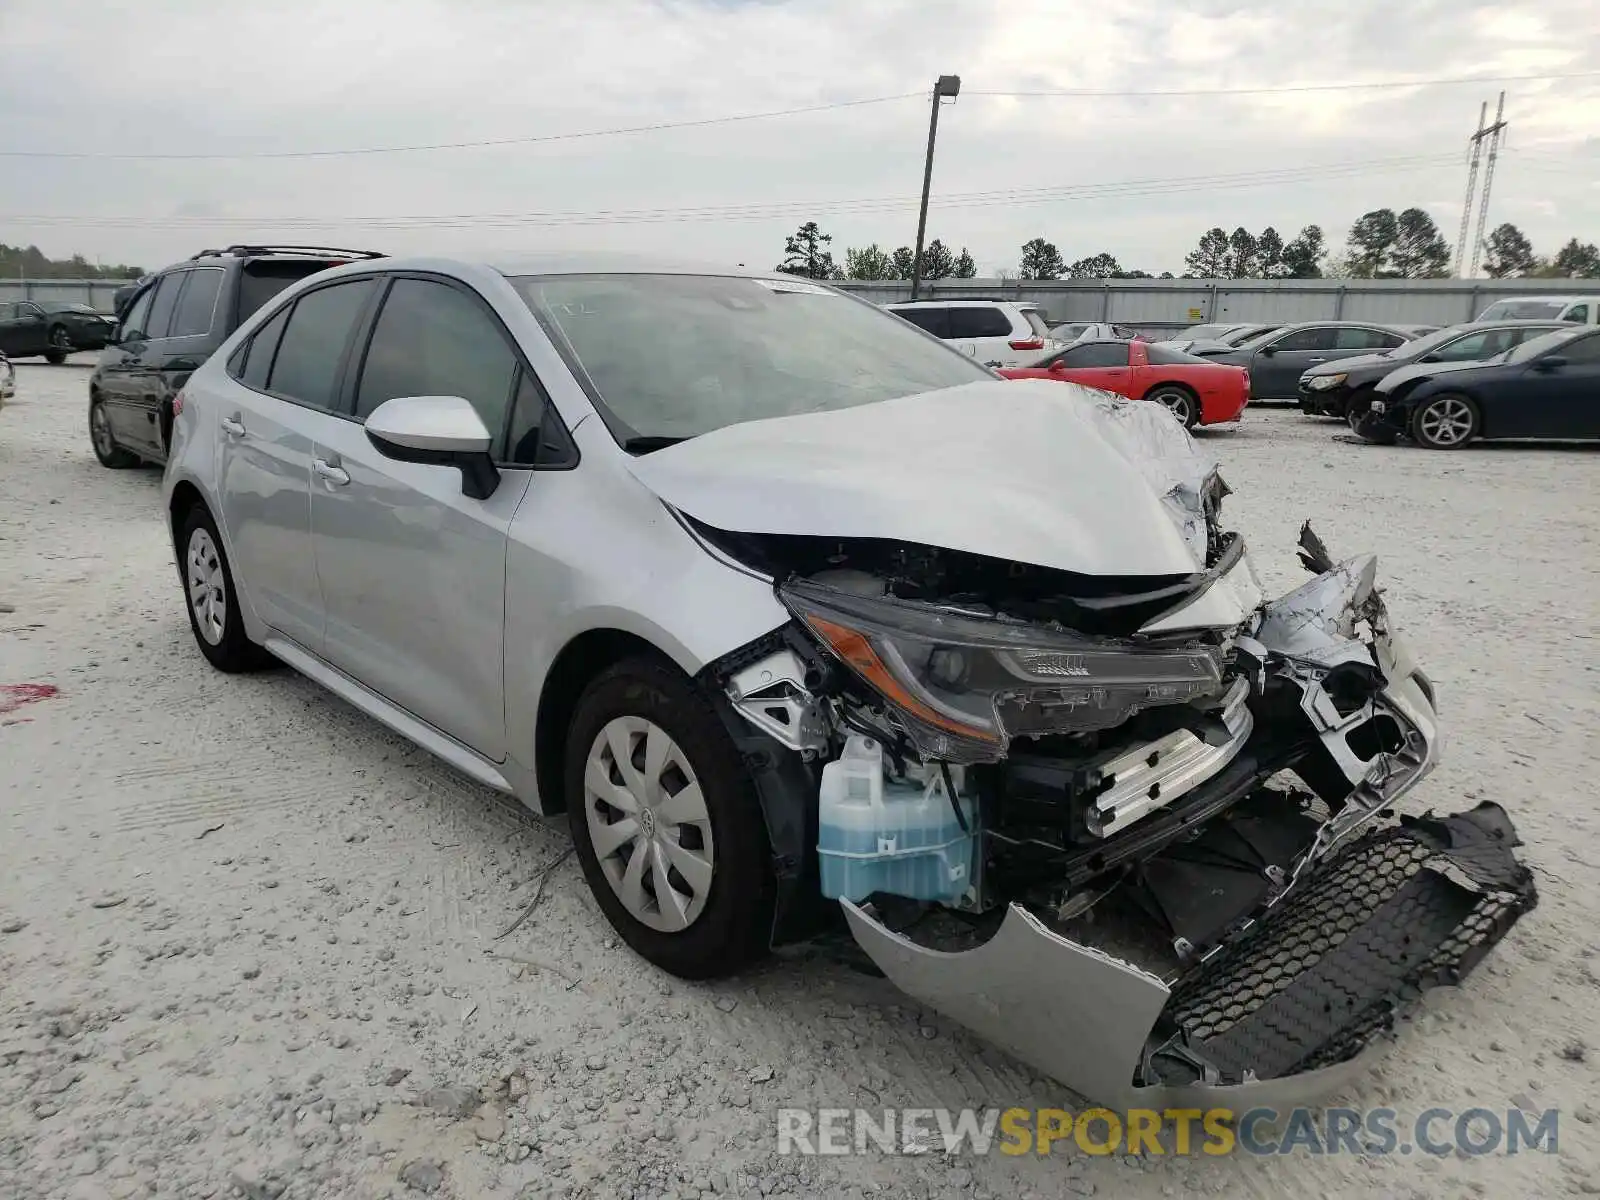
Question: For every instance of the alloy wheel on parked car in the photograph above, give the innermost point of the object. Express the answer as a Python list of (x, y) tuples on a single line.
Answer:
[(1446, 422), (104, 441), (1179, 403)]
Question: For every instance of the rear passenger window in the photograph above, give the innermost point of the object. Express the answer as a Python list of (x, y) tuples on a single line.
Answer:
[(1582, 350), (258, 354), (432, 339), (306, 368), (1367, 339), (166, 299), (934, 320), (978, 321), (1316, 337), (198, 303)]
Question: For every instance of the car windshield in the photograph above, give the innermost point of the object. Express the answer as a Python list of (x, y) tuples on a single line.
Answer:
[(1417, 347), (1244, 333), (669, 357), (1545, 342), (1522, 310)]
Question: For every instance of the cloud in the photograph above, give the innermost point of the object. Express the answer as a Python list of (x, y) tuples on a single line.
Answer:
[(187, 76)]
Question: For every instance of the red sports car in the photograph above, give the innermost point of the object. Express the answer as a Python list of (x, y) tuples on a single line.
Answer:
[(1198, 392)]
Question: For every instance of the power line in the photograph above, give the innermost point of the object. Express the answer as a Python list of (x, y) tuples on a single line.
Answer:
[(863, 206), (663, 126), (530, 139), (1374, 85)]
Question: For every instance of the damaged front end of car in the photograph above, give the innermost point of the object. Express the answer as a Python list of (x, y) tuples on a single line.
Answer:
[(1139, 831)]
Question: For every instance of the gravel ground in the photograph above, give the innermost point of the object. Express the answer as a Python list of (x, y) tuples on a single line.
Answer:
[(250, 940)]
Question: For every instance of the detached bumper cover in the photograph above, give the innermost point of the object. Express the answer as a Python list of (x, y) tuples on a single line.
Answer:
[(1283, 1015)]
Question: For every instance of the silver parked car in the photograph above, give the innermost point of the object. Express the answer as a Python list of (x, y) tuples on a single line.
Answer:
[(805, 620)]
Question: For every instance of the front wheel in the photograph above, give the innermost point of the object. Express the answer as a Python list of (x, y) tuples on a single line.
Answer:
[(666, 822), (1179, 402), (59, 345), (1447, 422), (213, 601)]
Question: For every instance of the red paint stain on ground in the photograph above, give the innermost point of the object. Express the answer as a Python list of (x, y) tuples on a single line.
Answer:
[(14, 695)]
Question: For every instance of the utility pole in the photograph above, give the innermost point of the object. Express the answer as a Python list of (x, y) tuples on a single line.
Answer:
[(1488, 177), (946, 85), (1472, 183)]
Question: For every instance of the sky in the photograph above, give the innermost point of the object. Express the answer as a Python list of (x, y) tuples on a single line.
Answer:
[(1139, 176)]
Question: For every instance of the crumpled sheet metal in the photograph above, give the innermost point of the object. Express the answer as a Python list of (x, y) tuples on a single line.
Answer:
[(1167, 456), (1316, 621), (1072, 1012)]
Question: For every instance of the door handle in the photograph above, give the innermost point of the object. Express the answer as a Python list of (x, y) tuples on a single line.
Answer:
[(233, 426), (1316, 360), (337, 476)]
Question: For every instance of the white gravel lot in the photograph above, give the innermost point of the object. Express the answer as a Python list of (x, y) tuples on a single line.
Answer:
[(249, 934)]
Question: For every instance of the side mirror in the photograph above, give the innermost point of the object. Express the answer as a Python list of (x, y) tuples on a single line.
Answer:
[(443, 431), (1550, 362)]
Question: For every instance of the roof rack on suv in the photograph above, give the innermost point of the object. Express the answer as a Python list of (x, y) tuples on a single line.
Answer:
[(243, 251)]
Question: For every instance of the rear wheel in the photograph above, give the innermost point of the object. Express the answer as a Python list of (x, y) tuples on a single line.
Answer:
[(666, 823), (1180, 402), (213, 601), (1446, 422), (104, 441)]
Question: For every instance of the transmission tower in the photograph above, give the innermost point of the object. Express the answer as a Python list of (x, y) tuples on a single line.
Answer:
[(1472, 183), (1494, 131)]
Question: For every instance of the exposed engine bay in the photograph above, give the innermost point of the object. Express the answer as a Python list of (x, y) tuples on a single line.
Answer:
[(1154, 810)]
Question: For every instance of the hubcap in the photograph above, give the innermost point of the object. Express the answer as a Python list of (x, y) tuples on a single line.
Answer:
[(100, 431), (208, 592), (648, 823), (1447, 421)]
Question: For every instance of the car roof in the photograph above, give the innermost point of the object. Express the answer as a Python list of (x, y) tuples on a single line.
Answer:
[(963, 300), (1558, 299)]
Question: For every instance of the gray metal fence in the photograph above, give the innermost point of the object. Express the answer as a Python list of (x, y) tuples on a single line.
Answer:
[(96, 293), (1162, 306), (1151, 305)]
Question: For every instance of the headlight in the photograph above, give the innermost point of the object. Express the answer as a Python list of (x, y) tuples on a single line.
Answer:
[(965, 684), (1321, 383)]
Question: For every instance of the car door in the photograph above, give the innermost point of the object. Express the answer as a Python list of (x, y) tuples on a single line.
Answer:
[(983, 332), (413, 570), (117, 377), (170, 359), (9, 329), (1102, 365), (132, 391), (1275, 368), (1557, 396), (30, 329), (286, 386)]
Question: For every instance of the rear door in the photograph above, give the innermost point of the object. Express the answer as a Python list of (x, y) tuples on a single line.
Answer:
[(412, 570), (286, 389), (1556, 402), (983, 332), (1275, 369), (169, 360)]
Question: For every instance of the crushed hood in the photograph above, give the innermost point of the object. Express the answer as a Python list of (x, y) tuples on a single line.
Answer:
[(1035, 471)]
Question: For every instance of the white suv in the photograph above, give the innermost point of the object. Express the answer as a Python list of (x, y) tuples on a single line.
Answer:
[(997, 333)]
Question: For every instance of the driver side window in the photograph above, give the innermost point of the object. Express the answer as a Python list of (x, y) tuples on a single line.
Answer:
[(134, 320), (1316, 337)]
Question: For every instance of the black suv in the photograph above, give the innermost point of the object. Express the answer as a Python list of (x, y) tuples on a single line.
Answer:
[(171, 325)]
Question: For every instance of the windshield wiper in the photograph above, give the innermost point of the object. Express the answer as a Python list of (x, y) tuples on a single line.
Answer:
[(644, 443)]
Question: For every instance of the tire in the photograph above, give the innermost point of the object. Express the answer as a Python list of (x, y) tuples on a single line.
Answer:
[(1355, 408), (105, 442), (60, 343), (1448, 421), (212, 599), (721, 919), (1180, 402)]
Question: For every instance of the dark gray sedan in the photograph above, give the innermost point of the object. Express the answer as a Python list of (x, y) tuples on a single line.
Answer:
[(1345, 388), (1276, 360)]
